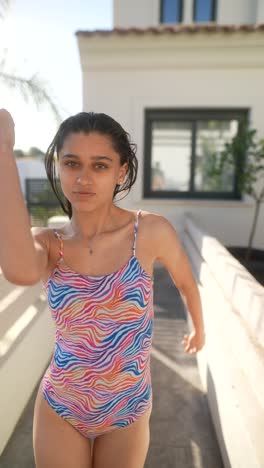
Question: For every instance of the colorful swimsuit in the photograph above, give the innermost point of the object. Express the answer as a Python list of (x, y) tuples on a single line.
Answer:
[(99, 375)]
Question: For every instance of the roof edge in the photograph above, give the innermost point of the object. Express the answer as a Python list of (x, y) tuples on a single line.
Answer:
[(176, 29)]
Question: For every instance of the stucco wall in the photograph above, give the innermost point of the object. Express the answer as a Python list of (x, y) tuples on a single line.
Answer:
[(123, 76), (137, 13), (237, 11), (231, 363), (260, 11), (26, 344), (143, 13)]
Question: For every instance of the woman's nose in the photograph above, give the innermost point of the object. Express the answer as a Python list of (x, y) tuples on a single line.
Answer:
[(85, 177)]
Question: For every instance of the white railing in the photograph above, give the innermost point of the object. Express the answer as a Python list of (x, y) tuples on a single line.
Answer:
[(231, 364), (27, 335), (26, 344)]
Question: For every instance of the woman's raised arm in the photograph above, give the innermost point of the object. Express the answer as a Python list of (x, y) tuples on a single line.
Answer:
[(169, 252), (22, 257)]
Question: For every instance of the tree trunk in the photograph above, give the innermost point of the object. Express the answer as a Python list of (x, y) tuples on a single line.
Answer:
[(253, 229)]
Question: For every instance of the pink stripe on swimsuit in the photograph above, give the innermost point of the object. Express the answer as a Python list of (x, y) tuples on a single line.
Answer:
[(99, 375)]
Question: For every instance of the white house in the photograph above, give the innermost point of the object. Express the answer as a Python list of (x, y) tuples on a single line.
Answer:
[(179, 76)]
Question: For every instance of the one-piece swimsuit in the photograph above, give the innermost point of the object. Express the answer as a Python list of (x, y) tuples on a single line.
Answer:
[(99, 376)]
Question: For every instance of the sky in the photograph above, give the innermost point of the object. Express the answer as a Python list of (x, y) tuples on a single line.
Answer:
[(40, 38)]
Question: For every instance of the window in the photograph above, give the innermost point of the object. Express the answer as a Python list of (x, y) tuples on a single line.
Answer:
[(171, 11), (204, 11), (180, 147)]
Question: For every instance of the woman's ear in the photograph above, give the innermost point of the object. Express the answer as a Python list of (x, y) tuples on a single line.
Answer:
[(123, 172)]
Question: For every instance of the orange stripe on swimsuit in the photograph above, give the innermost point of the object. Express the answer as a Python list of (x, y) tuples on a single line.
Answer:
[(99, 375)]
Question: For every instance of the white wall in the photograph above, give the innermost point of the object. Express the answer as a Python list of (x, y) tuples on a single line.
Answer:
[(125, 75), (260, 11), (144, 13), (236, 11), (231, 370), (27, 337), (140, 13)]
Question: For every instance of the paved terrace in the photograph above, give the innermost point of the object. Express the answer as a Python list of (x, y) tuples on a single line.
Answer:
[(182, 433)]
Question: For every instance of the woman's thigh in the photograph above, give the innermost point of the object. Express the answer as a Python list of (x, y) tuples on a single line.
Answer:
[(56, 443), (125, 447)]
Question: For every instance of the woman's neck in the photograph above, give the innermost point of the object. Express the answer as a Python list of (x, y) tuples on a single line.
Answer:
[(86, 226)]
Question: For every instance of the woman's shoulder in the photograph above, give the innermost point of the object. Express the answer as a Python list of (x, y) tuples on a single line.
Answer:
[(157, 228), (45, 235), (40, 232), (43, 232), (156, 221), (160, 235)]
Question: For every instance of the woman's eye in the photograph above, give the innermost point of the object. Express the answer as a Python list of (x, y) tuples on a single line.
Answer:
[(70, 162), (74, 164)]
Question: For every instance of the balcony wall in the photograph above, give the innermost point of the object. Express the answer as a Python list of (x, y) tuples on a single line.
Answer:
[(231, 364), (26, 343)]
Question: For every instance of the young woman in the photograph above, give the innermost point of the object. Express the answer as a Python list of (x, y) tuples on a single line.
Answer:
[(95, 399)]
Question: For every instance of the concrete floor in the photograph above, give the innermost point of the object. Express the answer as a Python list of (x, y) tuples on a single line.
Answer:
[(181, 431)]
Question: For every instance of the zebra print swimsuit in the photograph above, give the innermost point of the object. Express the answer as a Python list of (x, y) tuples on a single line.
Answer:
[(99, 375)]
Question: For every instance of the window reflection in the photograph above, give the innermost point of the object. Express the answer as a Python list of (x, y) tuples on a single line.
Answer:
[(171, 11), (210, 139), (170, 156), (185, 155), (204, 10)]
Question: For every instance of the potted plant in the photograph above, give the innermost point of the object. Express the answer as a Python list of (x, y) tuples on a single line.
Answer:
[(246, 152)]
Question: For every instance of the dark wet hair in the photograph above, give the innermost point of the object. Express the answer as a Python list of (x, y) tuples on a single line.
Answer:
[(88, 122)]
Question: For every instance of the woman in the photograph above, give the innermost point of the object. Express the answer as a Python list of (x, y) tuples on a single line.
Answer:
[(95, 399)]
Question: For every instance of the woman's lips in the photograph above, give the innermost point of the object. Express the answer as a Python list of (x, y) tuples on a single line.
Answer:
[(85, 194)]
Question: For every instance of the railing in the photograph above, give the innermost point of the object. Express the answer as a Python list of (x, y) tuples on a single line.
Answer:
[(231, 364), (27, 337), (26, 343)]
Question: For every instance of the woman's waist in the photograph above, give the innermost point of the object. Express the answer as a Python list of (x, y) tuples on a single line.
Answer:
[(105, 382)]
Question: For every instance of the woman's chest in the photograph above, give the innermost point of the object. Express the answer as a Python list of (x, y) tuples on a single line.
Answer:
[(108, 256), (123, 296)]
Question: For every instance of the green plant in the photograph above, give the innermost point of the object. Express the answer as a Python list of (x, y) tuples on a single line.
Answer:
[(41, 214), (246, 153), (42, 203)]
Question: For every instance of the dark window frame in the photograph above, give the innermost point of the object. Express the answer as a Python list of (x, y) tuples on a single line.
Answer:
[(192, 115), (180, 13), (213, 13), (29, 192)]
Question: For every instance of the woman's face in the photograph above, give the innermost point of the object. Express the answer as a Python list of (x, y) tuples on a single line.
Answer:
[(89, 169)]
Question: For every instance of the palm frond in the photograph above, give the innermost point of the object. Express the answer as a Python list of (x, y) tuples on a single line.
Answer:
[(31, 88), (4, 5)]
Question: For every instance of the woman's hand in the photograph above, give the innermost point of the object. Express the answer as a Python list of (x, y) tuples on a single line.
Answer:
[(7, 132), (194, 342)]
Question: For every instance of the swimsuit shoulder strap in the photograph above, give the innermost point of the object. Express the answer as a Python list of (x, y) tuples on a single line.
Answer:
[(61, 245), (135, 232)]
